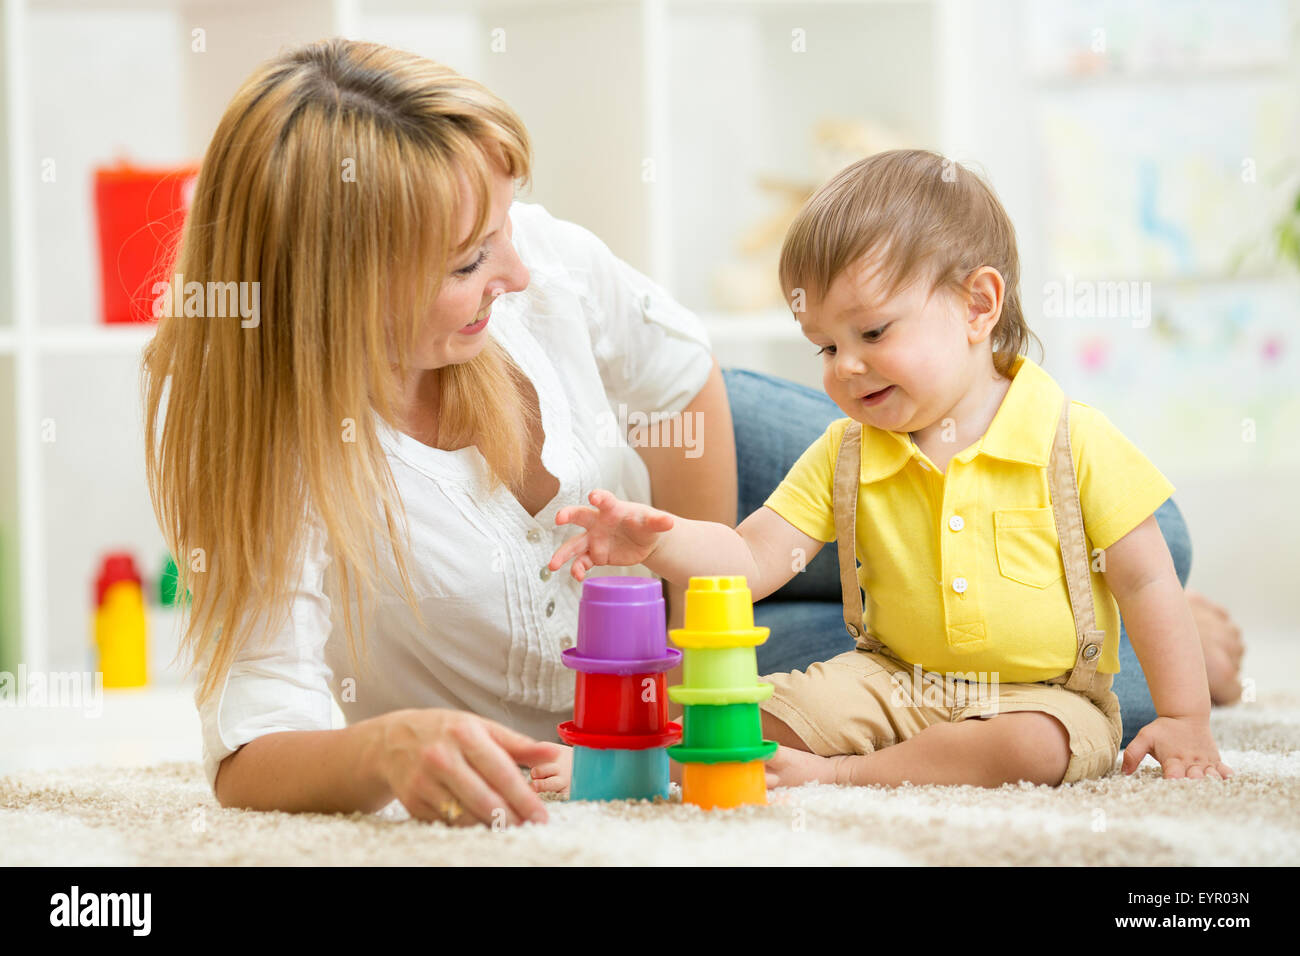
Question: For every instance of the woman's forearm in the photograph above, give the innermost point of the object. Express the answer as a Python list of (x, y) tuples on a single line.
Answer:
[(696, 476), (322, 771), (696, 479)]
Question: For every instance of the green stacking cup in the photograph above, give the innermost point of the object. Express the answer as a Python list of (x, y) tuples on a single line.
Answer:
[(725, 727), (719, 667), (720, 696)]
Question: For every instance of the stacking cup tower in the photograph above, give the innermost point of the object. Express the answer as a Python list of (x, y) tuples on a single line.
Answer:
[(723, 750), (620, 725)]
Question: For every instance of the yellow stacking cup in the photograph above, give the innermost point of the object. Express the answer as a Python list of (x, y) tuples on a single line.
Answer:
[(719, 613)]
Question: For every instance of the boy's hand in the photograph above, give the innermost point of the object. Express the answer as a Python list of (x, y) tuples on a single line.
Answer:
[(1183, 745), (618, 532), (552, 775)]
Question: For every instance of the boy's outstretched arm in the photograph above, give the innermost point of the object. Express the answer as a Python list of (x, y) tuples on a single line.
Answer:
[(1140, 573), (619, 532), (775, 543)]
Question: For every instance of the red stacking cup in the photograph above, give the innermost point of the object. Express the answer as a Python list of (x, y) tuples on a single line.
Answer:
[(620, 703)]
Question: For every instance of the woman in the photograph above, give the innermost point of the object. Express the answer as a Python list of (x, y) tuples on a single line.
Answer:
[(388, 394), (433, 376)]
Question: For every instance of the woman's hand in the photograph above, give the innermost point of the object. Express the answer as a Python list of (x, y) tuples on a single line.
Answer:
[(460, 768), (618, 532)]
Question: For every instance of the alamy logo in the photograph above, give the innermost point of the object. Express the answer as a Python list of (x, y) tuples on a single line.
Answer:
[(213, 300), (638, 429), (102, 909), (1086, 299)]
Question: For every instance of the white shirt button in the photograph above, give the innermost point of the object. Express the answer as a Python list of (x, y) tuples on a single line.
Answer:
[(645, 301), (534, 535), (959, 585), (956, 523), (550, 608), (545, 573)]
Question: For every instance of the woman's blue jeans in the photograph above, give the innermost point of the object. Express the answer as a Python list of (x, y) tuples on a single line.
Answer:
[(775, 420)]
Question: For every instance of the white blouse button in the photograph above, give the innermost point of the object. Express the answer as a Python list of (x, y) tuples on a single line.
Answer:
[(959, 585), (545, 573), (956, 523), (550, 608), (534, 535)]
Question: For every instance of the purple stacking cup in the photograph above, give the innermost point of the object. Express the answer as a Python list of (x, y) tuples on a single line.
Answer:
[(622, 628)]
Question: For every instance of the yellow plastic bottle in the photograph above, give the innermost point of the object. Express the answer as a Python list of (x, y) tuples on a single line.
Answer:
[(120, 629)]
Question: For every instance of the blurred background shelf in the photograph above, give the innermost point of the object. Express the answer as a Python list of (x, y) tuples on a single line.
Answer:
[(684, 133), (95, 339)]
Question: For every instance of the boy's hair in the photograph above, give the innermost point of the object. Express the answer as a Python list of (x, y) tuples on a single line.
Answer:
[(925, 216)]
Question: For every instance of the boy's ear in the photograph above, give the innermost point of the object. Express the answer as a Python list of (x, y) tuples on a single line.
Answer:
[(985, 290)]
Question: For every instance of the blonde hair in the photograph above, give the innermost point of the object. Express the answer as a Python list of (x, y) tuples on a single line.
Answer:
[(920, 214), (334, 181)]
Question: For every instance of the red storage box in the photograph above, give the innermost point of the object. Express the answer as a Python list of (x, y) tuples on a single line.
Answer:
[(140, 213)]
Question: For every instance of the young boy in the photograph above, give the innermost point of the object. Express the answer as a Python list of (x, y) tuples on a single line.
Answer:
[(903, 270)]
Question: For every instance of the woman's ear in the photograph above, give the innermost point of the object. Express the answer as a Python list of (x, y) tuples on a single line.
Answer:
[(985, 290)]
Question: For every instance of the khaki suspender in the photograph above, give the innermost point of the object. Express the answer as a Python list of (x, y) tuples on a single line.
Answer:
[(1068, 514), (1066, 511), (844, 497)]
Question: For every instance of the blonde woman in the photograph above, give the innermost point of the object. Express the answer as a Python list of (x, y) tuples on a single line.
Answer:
[(362, 483)]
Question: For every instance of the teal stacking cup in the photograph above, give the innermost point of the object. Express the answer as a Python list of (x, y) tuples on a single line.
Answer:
[(619, 774)]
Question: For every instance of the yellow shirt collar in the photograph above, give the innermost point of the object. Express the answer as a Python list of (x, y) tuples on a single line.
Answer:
[(1021, 431)]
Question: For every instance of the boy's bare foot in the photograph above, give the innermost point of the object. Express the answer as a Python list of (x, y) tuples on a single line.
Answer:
[(1223, 646)]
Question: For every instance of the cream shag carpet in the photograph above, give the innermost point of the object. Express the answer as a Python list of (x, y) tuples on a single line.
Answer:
[(164, 815)]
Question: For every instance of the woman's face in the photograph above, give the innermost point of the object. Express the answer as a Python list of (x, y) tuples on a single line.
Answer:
[(456, 327)]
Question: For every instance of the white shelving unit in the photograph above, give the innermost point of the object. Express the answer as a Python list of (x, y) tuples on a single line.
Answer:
[(709, 94)]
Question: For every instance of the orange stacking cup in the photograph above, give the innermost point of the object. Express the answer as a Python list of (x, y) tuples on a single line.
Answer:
[(722, 786)]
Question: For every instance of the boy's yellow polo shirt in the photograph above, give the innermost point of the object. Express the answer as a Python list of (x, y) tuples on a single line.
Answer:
[(963, 571)]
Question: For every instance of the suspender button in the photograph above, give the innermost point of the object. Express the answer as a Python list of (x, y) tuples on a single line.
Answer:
[(1090, 651), (853, 630)]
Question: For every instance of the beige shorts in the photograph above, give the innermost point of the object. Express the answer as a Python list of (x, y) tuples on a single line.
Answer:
[(861, 700)]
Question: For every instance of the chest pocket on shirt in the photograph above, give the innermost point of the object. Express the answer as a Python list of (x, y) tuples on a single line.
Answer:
[(1027, 546)]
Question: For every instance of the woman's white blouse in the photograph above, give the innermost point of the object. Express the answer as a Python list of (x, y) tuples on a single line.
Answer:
[(592, 334)]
